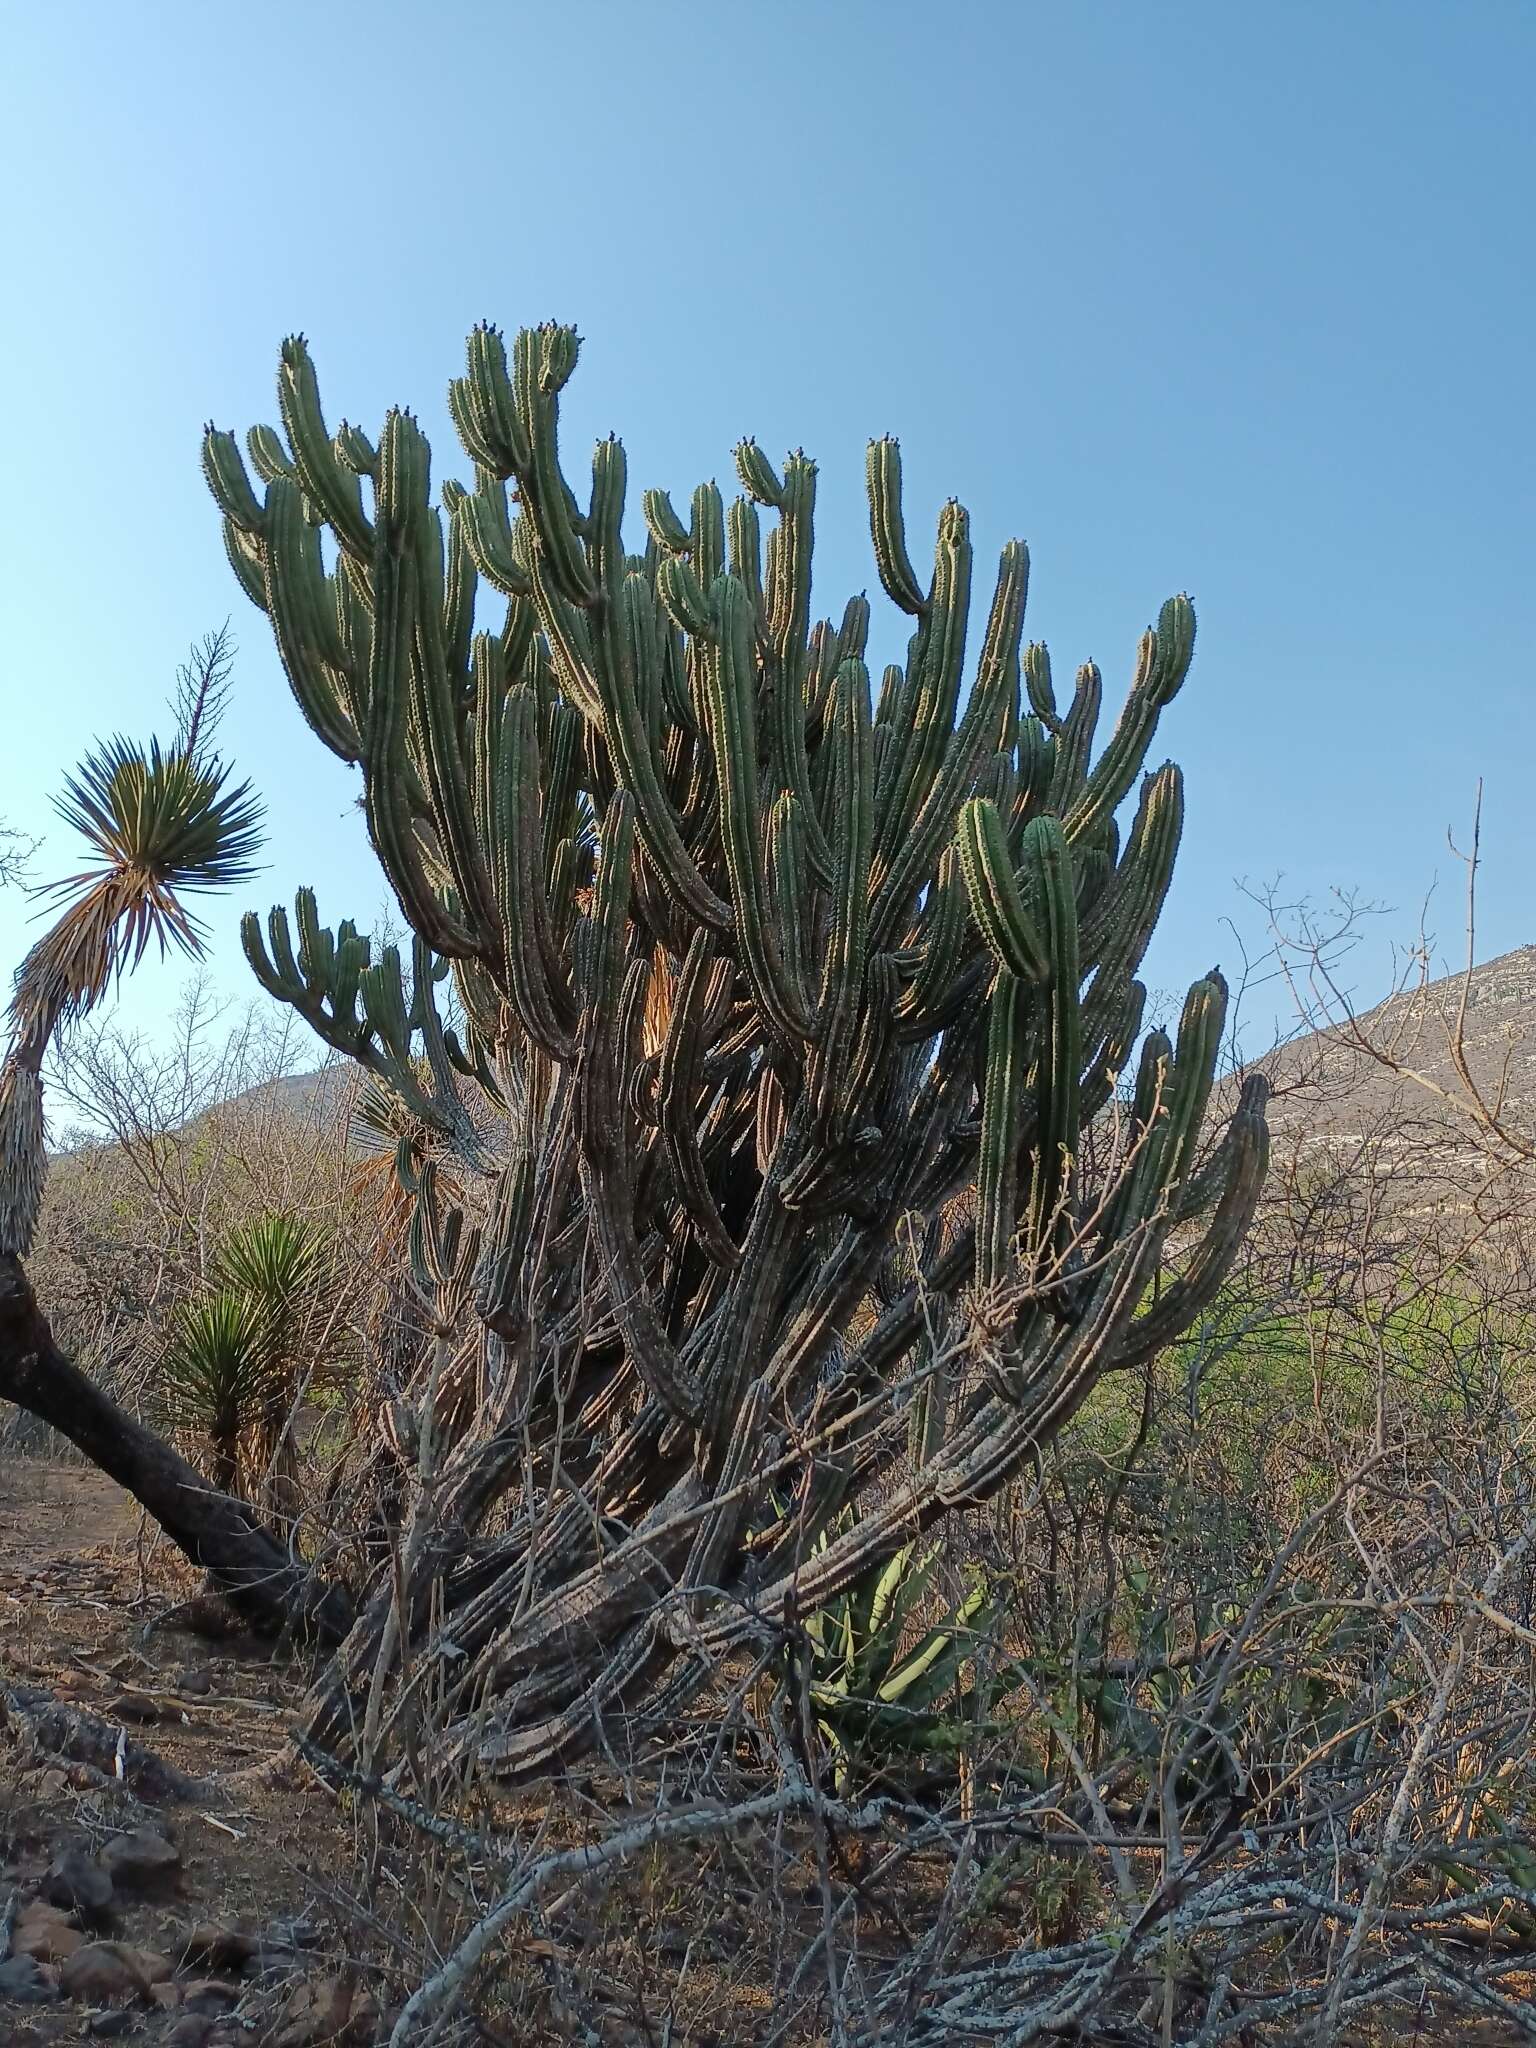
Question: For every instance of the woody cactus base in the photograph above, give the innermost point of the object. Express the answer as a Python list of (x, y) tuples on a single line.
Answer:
[(794, 1009)]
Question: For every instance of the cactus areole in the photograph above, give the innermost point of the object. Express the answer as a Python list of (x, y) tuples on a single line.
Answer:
[(795, 1008)]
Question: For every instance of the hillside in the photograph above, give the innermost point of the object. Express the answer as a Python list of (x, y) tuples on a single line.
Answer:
[(1328, 1089), (310, 1096), (1382, 1107), (1339, 1089)]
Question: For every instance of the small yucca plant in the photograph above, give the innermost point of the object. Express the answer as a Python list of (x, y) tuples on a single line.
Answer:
[(275, 1262), (165, 824), (219, 1381), (229, 1372), (392, 1143)]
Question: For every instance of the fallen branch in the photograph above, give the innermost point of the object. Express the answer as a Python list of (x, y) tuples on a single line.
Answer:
[(422, 2010), (60, 1732), (214, 1530)]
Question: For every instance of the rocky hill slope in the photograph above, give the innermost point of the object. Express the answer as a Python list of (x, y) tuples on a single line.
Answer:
[(1386, 1108), (1336, 1085)]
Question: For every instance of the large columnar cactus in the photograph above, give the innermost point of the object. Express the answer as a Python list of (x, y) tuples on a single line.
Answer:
[(762, 970)]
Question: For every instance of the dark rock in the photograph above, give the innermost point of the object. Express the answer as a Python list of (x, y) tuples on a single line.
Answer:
[(219, 1948), (77, 1881), (106, 2026), (138, 1707), (141, 1860), (25, 1981), (210, 1616)]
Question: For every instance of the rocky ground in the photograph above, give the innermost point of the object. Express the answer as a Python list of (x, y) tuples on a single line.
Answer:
[(161, 1883), (194, 1904)]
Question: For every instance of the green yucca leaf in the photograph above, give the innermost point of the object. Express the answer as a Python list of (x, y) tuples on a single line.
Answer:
[(274, 1261), (166, 824), (227, 1371), (217, 1373), (381, 1119)]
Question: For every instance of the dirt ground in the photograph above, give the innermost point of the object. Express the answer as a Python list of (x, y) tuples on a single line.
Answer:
[(247, 1928), (87, 1605), (253, 1934)]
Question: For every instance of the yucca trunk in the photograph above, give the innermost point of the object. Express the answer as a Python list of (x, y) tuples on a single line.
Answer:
[(214, 1529), (160, 822), (23, 1134), (224, 1461)]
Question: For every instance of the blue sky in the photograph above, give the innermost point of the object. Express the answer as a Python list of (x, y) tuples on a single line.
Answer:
[(1233, 299)]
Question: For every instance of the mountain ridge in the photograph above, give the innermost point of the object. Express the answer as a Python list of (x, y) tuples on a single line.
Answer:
[(1421, 1034)]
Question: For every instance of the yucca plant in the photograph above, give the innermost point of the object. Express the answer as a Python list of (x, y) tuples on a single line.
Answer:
[(229, 1372), (392, 1140), (218, 1377), (275, 1262), (164, 823)]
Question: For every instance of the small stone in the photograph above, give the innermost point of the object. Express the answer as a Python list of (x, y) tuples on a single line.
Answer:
[(210, 1616), (220, 1948), (45, 1933), (25, 1981), (137, 1707), (52, 1785), (105, 2026), (196, 1683), (366, 2018), (103, 1972), (78, 1881), (190, 2031), (295, 1930), (209, 1994), (141, 1860), (320, 2012)]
